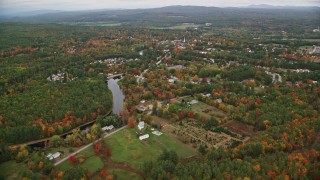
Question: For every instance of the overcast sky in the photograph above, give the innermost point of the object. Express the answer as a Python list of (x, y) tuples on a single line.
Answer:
[(22, 5)]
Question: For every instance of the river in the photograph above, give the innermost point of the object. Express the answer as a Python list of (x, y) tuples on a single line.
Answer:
[(117, 95)]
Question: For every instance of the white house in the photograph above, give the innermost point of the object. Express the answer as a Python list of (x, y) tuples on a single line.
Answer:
[(56, 155), (107, 128), (194, 102), (144, 137), (141, 125), (50, 156), (171, 81), (158, 133), (53, 156)]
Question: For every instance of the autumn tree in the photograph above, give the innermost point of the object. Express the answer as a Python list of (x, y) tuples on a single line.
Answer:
[(131, 122), (195, 78), (55, 141), (108, 151), (103, 173), (73, 159), (97, 147)]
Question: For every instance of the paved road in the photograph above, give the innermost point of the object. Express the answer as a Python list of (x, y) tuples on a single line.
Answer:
[(88, 145)]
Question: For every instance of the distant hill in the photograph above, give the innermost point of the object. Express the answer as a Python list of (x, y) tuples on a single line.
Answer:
[(267, 6), (173, 15)]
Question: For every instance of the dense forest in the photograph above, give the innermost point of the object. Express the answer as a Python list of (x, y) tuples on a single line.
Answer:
[(41, 88)]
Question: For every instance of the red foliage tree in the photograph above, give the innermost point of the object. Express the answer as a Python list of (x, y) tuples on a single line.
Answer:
[(204, 79), (97, 148), (103, 173), (181, 115), (73, 159), (190, 114), (108, 151)]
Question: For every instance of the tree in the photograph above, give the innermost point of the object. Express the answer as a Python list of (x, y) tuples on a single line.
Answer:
[(73, 159), (40, 165), (103, 173), (181, 115), (202, 149), (195, 78), (74, 173), (95, 131), (108, 151), (55, 141), (22, 154), (131, 122), (190, 114), (59, 175), (97, 147)]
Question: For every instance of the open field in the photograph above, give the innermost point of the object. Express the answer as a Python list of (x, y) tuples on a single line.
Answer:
[(126, 147), (128, 153)]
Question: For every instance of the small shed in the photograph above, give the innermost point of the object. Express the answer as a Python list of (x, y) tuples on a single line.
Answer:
[(146, 136)]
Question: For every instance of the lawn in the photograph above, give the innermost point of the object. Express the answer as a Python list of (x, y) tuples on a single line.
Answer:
[(126, 147), (93, 164)]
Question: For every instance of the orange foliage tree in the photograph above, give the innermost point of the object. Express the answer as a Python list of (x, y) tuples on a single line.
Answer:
[(131, 122)]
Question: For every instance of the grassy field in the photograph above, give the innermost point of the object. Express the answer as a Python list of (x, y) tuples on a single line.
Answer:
[(126, 147), (93, 164), (11, 170), (212, 111), (123, 175), (67, 164)]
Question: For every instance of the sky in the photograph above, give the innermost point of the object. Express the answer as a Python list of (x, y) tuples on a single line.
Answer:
[(31, 5)]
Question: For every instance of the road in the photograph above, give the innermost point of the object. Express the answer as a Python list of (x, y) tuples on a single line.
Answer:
[(88, 145)]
